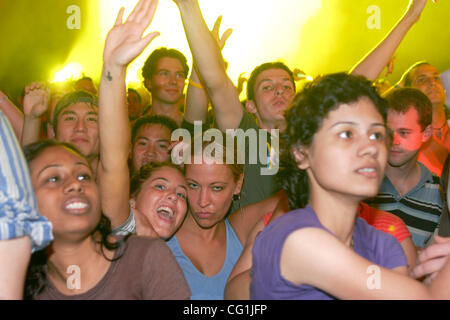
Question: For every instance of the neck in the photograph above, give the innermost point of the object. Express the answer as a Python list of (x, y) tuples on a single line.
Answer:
[(62, 255), (169, 110), (270, 125), (404, 178), (439, 117), (337, 213)]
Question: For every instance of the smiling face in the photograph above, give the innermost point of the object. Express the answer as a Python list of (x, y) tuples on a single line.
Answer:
[(78, 125), (408, 137), (167, 83), (274, 93), (210, 191), (428, 80), (66, 192), (348, 154), (162, 199)]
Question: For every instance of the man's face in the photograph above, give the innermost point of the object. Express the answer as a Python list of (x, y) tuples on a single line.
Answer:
[(151, 145), (428, 80), (274, 93), (167, 83), (78, 125), (408, 136)]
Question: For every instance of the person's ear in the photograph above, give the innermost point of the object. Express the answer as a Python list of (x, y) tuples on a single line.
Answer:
[(301, 157), (427, 133), (239, 183), (250, 106)]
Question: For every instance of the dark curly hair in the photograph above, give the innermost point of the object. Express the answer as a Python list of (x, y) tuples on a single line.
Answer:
[(36, 279), (311, 106)]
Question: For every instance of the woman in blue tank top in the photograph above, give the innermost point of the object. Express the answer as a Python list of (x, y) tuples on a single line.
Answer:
[(210, 239)]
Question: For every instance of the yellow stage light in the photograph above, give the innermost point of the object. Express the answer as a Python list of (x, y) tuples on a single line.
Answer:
[(70, 71)]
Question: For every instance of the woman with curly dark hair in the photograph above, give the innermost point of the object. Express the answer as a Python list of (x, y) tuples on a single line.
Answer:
[(84, 261), (336, 142)]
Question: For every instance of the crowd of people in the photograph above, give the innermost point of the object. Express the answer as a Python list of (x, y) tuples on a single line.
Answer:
[(270, 189)]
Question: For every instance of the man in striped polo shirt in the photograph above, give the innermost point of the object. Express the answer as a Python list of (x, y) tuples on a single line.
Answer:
[(409, 190)]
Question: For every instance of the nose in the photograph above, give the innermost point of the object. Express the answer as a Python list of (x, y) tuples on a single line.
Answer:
[(172, 195), (150, 150), (395, 139), (73, 185), (369, 147), (279, 89), (80, 126), (203, 199)]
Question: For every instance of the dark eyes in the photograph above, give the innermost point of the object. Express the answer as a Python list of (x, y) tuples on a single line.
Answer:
[(345, 134), (80, 177), (373, 136)]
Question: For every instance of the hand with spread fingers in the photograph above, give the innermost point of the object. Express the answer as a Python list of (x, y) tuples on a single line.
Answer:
[(125, 40), (35, 102)]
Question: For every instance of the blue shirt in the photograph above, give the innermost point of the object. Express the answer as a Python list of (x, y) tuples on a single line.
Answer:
[(203, 287), (19, 215)]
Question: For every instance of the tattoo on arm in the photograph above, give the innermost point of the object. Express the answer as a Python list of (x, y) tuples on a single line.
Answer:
[(108, 76)]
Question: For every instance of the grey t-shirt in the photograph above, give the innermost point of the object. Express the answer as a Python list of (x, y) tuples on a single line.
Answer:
[(147, 270)]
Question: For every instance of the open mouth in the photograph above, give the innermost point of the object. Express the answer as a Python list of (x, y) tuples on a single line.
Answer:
[(165, 212)]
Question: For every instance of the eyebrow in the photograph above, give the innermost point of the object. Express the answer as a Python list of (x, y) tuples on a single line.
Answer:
[(351, 123), (270, 80), (57, 165), (73, 112), (148, 139), (161, 178)]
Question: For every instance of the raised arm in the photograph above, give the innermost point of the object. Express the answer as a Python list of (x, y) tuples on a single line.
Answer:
[(373, 64), (123, 44), (197, 100), (206, 53), (35, 104)]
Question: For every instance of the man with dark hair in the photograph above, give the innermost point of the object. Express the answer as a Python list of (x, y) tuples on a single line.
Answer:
[(75, 121), (164, 73), (409, 190), (150, 140)]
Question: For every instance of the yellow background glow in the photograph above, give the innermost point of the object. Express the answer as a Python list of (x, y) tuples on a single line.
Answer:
[(254, 22)]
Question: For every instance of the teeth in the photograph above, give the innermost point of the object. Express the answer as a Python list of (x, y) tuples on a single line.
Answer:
[(366, 170), (165, 211), (76, 205)]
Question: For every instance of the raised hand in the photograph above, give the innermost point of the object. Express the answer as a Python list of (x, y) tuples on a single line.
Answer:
[(35, 102), (124, 41), (416, 7), (215, 32)]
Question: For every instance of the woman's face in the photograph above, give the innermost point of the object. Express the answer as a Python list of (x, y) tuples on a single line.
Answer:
[(162, 200), (210, 191), (348, 154), (66, 192)]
